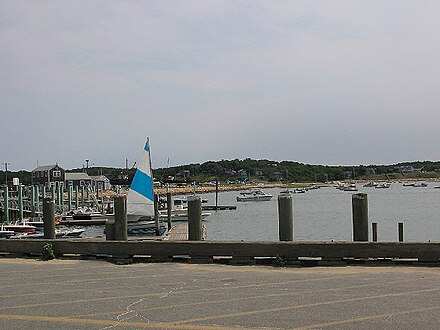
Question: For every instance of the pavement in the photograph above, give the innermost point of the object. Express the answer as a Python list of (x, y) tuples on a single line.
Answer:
[(95, 294)]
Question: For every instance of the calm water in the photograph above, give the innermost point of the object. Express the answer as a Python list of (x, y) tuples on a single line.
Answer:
[(325, 214)]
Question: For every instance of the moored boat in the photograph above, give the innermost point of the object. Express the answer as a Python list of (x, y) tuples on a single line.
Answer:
[(254, 195)]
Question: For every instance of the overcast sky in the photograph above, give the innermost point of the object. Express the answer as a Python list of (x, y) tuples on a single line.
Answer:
[(319, 82)]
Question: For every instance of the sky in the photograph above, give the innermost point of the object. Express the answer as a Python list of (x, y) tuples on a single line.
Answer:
[(317, 82)]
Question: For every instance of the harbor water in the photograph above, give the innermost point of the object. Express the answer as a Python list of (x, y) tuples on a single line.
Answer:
[(325, 214)]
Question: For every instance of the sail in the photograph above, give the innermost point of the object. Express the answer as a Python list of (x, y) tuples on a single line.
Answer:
[(140, 200)]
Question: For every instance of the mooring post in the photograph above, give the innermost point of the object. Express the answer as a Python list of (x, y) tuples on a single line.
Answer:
[(76, 197), (120, 228), (195, 230), (156, 214), (400, 226), (52, 189), (20, 202), (169, 207), (69, 197), (110, 230), (216, 195), (32, 201), (49, 218), (360, 217), (374, 229), (43, 192), (61, 196), (37, 199), (285, 217), (6, 204), (82, 196)]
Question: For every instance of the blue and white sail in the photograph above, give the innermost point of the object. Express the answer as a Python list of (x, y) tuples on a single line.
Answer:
[(140, 200)]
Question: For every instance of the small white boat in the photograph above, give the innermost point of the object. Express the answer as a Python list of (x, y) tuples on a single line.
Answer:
[(254, 195), (420, 184), (383, 185), (179, 210)]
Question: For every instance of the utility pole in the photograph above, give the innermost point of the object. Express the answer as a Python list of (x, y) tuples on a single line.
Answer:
[(6, 171), (87, 165)]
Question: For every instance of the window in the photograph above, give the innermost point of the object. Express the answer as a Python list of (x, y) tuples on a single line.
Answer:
[(37, 174), (56, 174)]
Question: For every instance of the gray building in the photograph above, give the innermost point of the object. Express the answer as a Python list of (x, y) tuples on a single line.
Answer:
[(78, 179), (101, 182), (47, 174)]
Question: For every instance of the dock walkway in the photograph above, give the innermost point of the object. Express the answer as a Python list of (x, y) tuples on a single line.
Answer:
[(179, 232)]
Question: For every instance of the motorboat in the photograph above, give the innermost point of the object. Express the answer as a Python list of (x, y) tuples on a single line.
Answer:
[(420, 184), (254, 195), (383, 185), (59, 233), (350, 186)]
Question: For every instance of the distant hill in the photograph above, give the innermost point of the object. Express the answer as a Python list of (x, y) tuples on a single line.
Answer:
[(261, 170)]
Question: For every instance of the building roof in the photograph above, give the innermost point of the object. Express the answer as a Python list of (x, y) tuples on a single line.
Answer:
[(99, 178), (77, 176), (44, 168)]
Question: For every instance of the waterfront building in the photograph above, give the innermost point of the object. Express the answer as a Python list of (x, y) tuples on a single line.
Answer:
[(48, 174)]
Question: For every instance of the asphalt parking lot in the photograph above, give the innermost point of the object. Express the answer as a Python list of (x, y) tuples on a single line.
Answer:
[(94, 294)]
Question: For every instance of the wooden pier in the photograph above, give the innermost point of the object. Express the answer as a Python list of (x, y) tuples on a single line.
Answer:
[(179, 232)]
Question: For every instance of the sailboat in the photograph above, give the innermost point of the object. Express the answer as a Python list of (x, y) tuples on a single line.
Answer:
[(140, 198)]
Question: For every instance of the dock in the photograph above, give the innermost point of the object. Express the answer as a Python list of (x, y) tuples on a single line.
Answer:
[(179, 232), (218, 207)]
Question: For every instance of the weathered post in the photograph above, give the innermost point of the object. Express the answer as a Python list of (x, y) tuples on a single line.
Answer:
[(20, 202), (374, 229), (110, 230), (49, 218), (52, 189), (195, 230), (76, 197), (216, 195), (61, 192), (400, 225), (169, 207), (37, 199), (82, 196), (32, 201), (43, 192), (360, 217), (6, 204), (156, 214), (120, 227), (69, 197), (285, 217)]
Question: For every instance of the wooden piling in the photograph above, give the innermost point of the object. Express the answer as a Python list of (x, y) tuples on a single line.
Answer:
[(374, 230), (76, 197), (120, 227), (400, 231), (360, 217), (110, 230), (169, 207), (216, 195), (156, 214), (49, 218), (6, 204), (69, 197), (195, 229), (20, 202), (285, 217)]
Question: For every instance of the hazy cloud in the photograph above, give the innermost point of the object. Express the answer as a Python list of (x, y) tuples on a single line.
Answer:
[(328, 82)]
